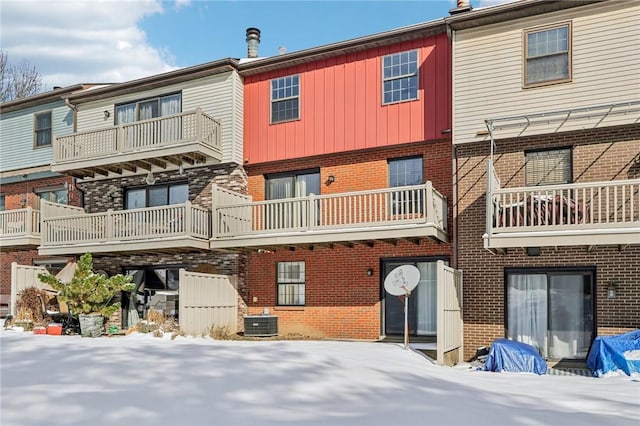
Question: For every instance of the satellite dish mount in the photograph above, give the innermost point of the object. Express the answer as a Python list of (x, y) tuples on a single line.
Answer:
[(401, 282)]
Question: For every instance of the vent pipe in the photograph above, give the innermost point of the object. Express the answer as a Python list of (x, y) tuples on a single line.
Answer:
[(253, 40), (461, 6)]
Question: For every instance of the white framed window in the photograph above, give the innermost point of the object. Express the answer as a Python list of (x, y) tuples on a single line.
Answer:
[(548, 167), (54, 194), (42, 129), (547, 55), (148, 108), (400, 77), (285, 99), (406, 172), (291, 283)]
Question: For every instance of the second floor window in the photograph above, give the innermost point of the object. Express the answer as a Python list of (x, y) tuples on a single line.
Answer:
[(400, 77), (157, 195), (285, 99), (547, 55), (406, 172), (549, 167), (42, 129), (58, 195), (149, 108)]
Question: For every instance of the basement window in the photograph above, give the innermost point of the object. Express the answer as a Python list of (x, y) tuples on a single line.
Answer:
[(291, 283)]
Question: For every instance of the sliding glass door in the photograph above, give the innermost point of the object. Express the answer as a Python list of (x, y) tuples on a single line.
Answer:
[(552, 311)]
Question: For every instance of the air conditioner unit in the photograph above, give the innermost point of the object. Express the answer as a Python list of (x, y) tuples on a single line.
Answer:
[(260, 325)]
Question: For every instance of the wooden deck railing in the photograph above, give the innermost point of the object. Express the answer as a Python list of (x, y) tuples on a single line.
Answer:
[(577, 206), (420, 204), (19, 222), (140, 135), (145, 224)]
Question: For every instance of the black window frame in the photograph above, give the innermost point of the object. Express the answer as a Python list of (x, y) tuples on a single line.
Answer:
[(544, 182), (299, 284), (155, 186)]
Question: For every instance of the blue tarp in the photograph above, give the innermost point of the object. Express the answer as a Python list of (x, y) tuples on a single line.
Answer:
[(517, 357), (607, 354)]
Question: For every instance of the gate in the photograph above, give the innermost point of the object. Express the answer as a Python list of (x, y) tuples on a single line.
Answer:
[(24, 276), (449, 345), (207, 301)]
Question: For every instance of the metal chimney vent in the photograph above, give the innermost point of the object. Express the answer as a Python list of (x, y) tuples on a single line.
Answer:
[(253, 40)]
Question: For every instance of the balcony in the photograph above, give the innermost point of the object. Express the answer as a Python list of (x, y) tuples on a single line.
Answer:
[(589, 214), (178, 227), (409, 213), (186, 137), (19, 229)]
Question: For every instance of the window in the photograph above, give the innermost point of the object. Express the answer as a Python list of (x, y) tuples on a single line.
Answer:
[(290, 185), (291, 276), (551, 310), (2, 202), (406, 172), (58, 195), (547, 55), (400, 77), (157, 195), (42, 129), (149, 108), (285, 99), (548, 167)]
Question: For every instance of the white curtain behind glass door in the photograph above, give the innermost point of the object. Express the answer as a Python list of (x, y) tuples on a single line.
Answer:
[(171, 128), (426, 293), (527, 304)]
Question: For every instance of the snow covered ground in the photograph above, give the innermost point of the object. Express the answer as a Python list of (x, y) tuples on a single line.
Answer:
[(142, 380)]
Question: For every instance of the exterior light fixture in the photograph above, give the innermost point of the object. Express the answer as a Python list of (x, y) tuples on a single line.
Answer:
[(369, 272), (611, 291), (150, 179), (330, 180), (107, 114)]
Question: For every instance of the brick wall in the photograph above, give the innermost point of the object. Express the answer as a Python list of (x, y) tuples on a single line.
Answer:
[(19, 195), (341, 300), (598, 155)]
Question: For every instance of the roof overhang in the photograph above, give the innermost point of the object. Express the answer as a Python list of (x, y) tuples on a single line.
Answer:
[(42, 98), (386, 38)]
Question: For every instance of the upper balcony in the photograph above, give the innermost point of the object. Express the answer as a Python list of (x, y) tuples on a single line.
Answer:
[(70, 230), (391, 214), (19, 229), (185, 137), (589, 214)]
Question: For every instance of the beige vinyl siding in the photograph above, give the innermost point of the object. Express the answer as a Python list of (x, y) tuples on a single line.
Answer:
[(488, 69), (213, 94), (17, 150)]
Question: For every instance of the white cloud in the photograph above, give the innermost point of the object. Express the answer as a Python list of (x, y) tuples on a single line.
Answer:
[(73, 42)]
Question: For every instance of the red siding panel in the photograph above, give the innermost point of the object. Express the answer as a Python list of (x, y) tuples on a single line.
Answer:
[(341, 105)]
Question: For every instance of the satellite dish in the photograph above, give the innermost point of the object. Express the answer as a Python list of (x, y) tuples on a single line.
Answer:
[(402, 280)]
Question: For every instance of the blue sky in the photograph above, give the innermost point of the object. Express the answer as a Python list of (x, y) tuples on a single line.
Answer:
[(216, 29), (110, 41)]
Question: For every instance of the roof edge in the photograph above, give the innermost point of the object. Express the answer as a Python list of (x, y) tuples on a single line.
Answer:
[(347, 46), (156, 80), (43, 98)]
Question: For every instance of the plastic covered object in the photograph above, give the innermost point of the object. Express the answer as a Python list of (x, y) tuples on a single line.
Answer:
[(516, 357), (615, 353)]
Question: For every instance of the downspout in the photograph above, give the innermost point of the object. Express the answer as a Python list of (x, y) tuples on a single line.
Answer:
[(454, 225), (489, 196), (75, 113)]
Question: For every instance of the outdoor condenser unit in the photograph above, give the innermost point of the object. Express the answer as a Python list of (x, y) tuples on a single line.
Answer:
[(260, 325)]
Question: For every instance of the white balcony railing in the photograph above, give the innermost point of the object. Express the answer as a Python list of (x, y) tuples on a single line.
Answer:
[(605, 212), (136, 225), (155, 133), (19, 223), (376, 209)]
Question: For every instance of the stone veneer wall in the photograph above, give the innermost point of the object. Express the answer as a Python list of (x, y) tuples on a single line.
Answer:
[(101, 195)]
